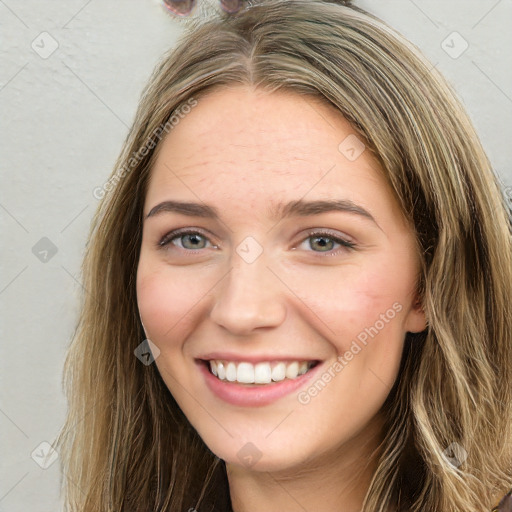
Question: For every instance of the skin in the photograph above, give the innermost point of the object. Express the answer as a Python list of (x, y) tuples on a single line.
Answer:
[(241, 150)]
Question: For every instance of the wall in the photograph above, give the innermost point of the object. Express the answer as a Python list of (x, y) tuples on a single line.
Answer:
[(71, 74)]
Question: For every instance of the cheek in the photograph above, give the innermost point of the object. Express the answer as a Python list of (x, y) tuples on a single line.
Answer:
[(166, 302), (348, 305), (372, 327), (372, 301), (361, 312)]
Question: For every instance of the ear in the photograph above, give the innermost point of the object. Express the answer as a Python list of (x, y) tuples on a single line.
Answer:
[(416, 320)]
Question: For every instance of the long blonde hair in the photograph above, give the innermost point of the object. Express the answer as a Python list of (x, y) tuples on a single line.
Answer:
[(126, 445)]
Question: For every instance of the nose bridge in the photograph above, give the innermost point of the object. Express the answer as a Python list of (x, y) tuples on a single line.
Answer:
[(248, 297)]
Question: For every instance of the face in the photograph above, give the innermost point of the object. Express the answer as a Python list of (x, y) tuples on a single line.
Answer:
[(272, 246)]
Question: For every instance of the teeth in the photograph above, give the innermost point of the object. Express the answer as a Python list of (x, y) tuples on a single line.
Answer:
[(261, 373), (221, 370), (292, 370), (245, 373), (279, 372), (231, 372)]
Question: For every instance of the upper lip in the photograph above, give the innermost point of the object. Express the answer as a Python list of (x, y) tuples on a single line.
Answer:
[(225, 356)]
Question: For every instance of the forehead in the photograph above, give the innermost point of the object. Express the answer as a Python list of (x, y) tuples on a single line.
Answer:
[(264, 146)]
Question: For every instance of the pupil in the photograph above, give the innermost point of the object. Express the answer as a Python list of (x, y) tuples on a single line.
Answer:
[(322, 241), (194, 239)]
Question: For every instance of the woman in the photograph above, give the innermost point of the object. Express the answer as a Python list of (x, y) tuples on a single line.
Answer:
[(305, 231)]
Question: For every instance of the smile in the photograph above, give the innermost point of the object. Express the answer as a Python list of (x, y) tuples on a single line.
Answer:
[(263, 372), (256, 384)]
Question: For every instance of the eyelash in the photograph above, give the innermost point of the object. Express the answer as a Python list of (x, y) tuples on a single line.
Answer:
[(345, 244)]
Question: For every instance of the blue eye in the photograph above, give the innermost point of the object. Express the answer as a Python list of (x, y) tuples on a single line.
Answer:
[(194, 240), (325, 242)]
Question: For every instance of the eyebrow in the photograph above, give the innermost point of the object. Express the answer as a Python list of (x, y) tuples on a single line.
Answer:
[(299, 208)]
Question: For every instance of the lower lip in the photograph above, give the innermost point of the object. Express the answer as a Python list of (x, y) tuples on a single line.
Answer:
[(253, 396)]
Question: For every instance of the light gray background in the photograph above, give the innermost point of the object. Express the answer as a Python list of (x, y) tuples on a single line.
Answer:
[(64, 118)]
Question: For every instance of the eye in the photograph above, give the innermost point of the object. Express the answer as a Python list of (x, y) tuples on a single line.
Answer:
[(190, 240), (325, 242), (320, 241)]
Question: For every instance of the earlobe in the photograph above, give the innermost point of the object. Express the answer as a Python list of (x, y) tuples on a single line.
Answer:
[(417, 319)]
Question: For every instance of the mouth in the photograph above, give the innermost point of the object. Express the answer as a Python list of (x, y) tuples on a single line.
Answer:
[(256, 384), (254, 380), (263, 373)]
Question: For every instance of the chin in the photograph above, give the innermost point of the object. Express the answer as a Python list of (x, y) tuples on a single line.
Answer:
[(262, 454), (267, 463)]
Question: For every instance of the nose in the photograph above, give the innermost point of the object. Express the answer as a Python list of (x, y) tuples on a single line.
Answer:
[(250, 297)]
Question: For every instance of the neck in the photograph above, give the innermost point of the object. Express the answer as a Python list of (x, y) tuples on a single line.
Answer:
[(336, 481)]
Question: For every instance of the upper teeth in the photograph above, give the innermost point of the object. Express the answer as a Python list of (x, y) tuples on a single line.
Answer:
[(260, 373)]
